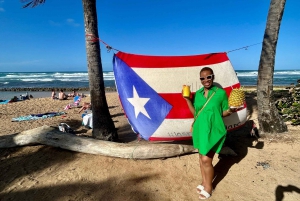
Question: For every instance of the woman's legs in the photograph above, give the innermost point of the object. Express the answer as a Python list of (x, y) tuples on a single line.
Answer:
[(202, 171), (207, 171)]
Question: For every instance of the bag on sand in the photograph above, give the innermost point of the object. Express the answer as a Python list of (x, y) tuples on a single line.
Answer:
[(65, 128)]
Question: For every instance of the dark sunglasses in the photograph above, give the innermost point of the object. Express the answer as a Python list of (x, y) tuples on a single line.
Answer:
[(209, 77)]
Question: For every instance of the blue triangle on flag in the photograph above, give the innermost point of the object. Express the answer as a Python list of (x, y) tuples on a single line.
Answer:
[(156, 108)]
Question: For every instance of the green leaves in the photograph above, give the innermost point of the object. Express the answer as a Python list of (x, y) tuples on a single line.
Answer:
[(32, 3), (289, 107)]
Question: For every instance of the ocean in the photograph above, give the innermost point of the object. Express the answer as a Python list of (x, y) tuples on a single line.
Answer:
[(80, 79), (51, 79), (280, 77)]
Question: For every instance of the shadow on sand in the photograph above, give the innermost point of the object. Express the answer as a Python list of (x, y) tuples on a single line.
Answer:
[(19, 167), (239, 140), (279, 192)]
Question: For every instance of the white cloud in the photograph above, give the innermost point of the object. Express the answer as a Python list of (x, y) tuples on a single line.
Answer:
[(72, 22), (67, 22)]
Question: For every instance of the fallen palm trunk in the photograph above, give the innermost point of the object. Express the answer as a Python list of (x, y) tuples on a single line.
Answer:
[(50, 136)]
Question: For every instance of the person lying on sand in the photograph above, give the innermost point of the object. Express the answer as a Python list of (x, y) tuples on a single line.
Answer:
[(14, 99), (85, 106)]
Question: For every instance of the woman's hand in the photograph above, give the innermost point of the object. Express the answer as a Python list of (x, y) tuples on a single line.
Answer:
[(186, 98), (229, 111), (189, 103), (232, 110)]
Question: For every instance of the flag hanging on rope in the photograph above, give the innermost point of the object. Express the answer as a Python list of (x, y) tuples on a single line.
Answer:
[(149, 89)]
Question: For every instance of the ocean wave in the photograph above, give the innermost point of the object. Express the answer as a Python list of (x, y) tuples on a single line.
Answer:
[(37, 80), (70, 75), (4, 83), (112, 78), (11, 76), (287, 73), (73, 80), (279, 74), (247, 74)]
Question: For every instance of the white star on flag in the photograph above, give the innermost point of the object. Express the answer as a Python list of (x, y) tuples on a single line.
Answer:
[(138, 104)]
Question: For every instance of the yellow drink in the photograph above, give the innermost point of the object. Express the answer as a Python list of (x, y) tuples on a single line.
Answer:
[(186, 91)]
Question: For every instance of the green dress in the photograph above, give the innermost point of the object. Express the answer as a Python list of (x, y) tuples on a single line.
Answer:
[(209, 130)]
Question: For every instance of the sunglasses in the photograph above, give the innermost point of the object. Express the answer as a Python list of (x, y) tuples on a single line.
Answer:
[(209, 77)]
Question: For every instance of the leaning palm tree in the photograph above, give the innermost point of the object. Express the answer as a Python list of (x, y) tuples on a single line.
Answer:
[(268, 116), (103, 126)]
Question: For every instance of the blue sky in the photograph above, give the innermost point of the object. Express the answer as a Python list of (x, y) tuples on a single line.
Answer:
[(51, 37)]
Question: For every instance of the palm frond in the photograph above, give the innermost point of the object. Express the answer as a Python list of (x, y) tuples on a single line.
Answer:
[(32, 3)]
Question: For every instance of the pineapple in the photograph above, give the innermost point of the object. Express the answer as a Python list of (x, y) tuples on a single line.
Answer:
[(236, 98)]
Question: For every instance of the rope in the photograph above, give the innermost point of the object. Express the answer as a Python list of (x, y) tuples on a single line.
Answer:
[(244, 47), (109, 48), (95, 39)]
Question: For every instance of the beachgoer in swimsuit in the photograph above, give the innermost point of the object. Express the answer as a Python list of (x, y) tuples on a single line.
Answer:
[(53, 94), (62, 95), (73, 94), (85, 106)]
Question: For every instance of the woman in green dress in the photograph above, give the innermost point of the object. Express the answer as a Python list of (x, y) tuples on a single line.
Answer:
[(209, 132)]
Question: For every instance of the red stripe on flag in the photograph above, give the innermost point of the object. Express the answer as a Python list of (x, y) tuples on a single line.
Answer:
[(228, 89), (143, 61), (179, 109)]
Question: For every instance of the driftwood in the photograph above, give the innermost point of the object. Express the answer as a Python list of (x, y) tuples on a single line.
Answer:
[(50, 136)]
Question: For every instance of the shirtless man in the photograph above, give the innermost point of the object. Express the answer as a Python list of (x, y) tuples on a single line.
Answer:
[(62, 95)]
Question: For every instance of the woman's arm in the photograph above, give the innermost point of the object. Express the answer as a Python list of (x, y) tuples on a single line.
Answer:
[(228, 112), (190, 105)]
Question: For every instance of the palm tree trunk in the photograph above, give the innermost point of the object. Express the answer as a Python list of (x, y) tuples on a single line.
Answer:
[(103, 126), (268, 116)]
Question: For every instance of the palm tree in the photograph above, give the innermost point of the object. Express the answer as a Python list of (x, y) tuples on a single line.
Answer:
[(268, 117), (103, 126)]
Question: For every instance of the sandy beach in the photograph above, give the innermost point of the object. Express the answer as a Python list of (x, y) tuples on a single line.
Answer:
[(265, 169)]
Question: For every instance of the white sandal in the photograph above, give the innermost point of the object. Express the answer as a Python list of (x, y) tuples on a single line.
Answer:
[(205, 194), (200, 188)]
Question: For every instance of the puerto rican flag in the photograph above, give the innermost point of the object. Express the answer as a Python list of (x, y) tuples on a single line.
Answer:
[(149, 89)]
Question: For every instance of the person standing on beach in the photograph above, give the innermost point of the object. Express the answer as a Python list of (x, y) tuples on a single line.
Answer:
[(209, 131), (62, 95)]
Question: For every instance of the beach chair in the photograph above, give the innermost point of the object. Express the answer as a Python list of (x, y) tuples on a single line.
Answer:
[(76, 103), (77, 100)]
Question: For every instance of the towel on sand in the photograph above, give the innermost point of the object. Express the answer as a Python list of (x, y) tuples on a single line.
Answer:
[(37, 116), (4, 101), (87, 120)]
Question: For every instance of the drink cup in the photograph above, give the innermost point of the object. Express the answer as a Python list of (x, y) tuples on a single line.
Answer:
[(186, 91)]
